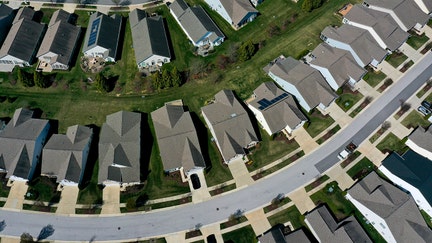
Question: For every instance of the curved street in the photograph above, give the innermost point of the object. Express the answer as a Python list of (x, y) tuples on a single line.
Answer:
[(217, 209)]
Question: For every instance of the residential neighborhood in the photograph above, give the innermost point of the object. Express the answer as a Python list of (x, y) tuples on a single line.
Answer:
[(216, 121)]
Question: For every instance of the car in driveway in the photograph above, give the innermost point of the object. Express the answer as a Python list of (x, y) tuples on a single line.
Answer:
[(196, 184), (423, 110), (426, 105)]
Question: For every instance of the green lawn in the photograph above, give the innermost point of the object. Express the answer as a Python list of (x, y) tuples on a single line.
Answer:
[(282, 164), (218, 172), (342, 208), (427, 218), (396, 58), (91, 193), (43, 189), (373, 78), (290, 214), (361, 169), (4, 190), (392, 143), (347, 99), (415, 119), (242, 235), (416, 41), (269, 150), (318, 123)]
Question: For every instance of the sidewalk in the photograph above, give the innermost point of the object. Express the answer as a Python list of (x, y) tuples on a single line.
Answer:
[(16, 195)]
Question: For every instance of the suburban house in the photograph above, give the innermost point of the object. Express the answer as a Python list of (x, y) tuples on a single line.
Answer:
[(197, 25), (21, 144), (380, 25), (325, 228), (177, 140), (337, 66), (359, 42), (59, 44), (7, 15), (275, 235), (420, 140), (424, 5), (149, 39), (65, 155), (23, 40), (120, 149), (406, 13), (392, 212), (413, 173), (230, 126), (275, 109), (102, 36), (304, 82), (236, 12)]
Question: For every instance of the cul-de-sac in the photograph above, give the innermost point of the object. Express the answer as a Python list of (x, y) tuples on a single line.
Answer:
[(219, 121)]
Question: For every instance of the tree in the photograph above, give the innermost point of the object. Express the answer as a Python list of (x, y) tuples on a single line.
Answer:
[(166, 78), (273, 29), (102, 84), (246, 51), (316, 4), (307, 5), (116, 2), (385, 125), (157, 80), (40, 80), (24, 79), (175, 77), (26, 238)]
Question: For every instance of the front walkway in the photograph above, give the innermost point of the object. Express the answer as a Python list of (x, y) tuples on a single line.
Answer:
[(68, 200), (111, 199), (16, 195), (240, 173)]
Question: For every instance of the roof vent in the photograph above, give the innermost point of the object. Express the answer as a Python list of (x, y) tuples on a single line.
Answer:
[(233, 115)]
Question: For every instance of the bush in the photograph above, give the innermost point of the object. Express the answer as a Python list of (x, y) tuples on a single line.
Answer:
[(245, 51), (24, 78)]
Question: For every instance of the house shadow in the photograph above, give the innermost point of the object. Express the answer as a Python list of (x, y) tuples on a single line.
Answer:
[(169, 39), (120, 43), (251, 116), (92, 157), (146, 147), (202, 138)]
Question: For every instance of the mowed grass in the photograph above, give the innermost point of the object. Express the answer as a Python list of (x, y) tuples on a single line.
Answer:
[(392, 143), (373, 78), (242, 235), (415, 119), (318, 123), (290, 214), (417, 41)]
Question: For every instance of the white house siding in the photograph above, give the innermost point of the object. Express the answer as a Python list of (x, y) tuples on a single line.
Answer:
[(422, 6), (218, 7), (368, 28), (415, 193), (194, 171), (292, 90), (392, 13), (423, 152), (346, 47), (99, 51), (38, 145), (260, 118), (327, 76), (153, 60), (377, 222), (59, 66)]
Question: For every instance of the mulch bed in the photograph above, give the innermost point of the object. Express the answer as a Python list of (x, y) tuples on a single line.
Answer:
[(192, 234), (176, 176), (386, 84)]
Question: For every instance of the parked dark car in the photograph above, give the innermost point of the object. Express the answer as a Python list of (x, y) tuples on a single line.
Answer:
[(426, 105), (195, 181)]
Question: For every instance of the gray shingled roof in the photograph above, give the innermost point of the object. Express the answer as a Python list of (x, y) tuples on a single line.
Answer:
[(177, 138), (59, 15), (412, 168), (281, 113), (407, 11), (23, 40), (148, 36), (238, 9), (24, 13), (231, 124), (328, 230), (427, 4), (275, 235), (108, 33), (340, 63), (17, 142), (396, 207), (120, 148), (195, 21), (7, 15), (61, 39), (64, 154), (422, 138), (360, 40), (309, 82), (382, 23)]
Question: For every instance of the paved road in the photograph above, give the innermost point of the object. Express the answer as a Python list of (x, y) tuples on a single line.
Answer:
[(98, 2), (99, 228)]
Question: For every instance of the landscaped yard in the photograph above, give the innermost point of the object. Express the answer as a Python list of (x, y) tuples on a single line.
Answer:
[(396, 58), (318, 123), (361, 169), (392, 143), (269, 150), (43, 189), (348, 98), (415, 119), (242, 235), (92, 192), (342, 208), (278, 166), (290, 214), (416, 41), (373, 78)]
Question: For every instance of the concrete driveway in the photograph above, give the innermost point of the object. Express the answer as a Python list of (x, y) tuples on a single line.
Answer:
[(17, 192), (202, 193), (68, 200), (240, 173), (111, 199)]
